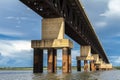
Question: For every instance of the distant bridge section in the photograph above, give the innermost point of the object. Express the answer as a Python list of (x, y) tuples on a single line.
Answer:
[(77, 25)]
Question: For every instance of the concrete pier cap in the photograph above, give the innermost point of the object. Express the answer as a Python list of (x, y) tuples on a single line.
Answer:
[(85, 53), (56, 43)]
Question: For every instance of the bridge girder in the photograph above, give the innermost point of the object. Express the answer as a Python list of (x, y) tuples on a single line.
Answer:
[(77, 25)]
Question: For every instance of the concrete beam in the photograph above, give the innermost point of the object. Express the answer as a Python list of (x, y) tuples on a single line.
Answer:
[(54, 43), (84, 58), (105, 66)]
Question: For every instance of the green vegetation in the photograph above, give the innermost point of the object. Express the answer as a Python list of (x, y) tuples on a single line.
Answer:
[(16, 68), (30, 68), (117, 67)]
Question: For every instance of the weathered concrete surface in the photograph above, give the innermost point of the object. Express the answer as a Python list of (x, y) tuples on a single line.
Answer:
[(84, 58), (56, 43), (85, 65), (92, 66), (53, 28), (66, 60), (52, 58), (96, 58), (70, 62), (85, 50), (106, 66), (85, 53)]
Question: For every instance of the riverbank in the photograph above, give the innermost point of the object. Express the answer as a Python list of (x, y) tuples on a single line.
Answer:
[(16, 68), (29, 68)]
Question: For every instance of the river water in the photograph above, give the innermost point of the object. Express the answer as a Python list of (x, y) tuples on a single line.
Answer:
[(28, 75)]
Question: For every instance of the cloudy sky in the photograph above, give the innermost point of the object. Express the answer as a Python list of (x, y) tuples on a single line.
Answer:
[(19, 25)]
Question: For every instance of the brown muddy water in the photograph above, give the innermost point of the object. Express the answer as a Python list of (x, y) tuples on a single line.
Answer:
[(28, 75)]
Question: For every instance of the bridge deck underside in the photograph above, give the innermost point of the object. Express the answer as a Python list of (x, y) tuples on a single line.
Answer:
[(77, 25)]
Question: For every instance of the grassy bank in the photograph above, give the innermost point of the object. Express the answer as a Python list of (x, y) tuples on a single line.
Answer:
[(29, 68), (117, 67), (45, 68), (16, 68)]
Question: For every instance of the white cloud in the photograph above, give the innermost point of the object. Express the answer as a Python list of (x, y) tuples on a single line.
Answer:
[(113, 9), (75, 53), (12, 47), (15, 53), (9, 32), (115, 60), (23, 18), (100, 24), (117, 34), (18, 26), (16, 18), (10, 17)]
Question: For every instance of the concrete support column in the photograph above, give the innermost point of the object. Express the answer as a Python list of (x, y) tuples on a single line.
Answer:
[(92, 66), (38, 61), (52, 57), (85, 65), (55, 60), (69, 56), (78, 65), (66, 60)]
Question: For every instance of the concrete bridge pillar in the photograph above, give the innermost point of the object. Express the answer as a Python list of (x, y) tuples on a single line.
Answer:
[(66, 60), (86, 65), (85, 54), (92, 66), (38, 61), (53, 30), (52, 59), (69, 56)]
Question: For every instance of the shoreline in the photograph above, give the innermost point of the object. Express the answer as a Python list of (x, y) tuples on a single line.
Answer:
[(45, 68), (29, 68)]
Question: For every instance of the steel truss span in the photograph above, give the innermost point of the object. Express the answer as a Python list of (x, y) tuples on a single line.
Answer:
[(77, 25)]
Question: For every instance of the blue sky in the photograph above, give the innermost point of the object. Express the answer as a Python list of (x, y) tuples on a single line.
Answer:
[(19, 25)]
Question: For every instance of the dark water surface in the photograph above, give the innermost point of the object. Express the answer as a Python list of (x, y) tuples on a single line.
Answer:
[(28, 75)]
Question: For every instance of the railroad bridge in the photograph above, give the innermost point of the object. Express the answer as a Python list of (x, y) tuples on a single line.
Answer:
[(65, 17)]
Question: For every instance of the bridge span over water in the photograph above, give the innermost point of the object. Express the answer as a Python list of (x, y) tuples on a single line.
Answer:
[(76, 25)]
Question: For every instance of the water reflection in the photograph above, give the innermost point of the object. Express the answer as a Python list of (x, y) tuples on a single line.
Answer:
[(65, 76), (28, 75)]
